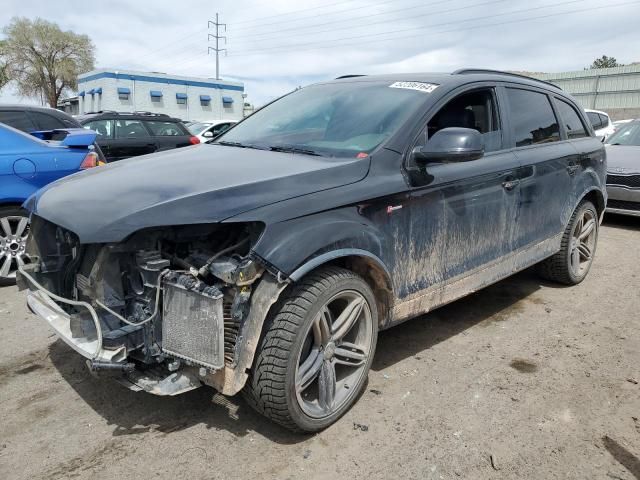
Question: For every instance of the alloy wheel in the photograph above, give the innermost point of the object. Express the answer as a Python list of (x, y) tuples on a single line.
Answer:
[(335, 354), (14, 231), (583, 242)]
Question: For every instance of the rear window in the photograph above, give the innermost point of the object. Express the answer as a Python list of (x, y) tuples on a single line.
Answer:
[(165, 129), (17, 119), (604, 119), (571, 120), (532, 117), (46, 121)]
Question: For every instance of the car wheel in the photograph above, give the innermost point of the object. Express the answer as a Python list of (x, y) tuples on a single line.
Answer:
[(315, 355), (14, 230), (572, 263)]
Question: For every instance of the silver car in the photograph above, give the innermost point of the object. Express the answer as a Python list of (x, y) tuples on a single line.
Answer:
[(623, 172)]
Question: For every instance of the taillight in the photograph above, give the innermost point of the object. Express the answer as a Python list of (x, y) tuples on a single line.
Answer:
[(90, 161), (194, 140)]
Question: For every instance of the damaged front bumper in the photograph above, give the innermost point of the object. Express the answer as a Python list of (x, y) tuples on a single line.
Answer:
[(44, 304), (190, 372)]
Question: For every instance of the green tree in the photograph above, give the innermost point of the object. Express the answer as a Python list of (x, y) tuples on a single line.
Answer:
[(43, 60), (605, 62)]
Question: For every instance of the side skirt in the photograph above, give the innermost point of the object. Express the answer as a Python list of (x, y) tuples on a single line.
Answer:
[(470, 282)]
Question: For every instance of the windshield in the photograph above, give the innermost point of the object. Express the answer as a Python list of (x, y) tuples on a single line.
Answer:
[(338, 119), (198, 127), (628, 134)]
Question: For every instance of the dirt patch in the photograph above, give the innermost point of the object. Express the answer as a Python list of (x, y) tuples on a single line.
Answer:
[(523, 366)]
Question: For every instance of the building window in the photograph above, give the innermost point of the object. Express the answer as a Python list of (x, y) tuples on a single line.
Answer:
[(181, 98), (123, 93), (205, 100), (227, 102), (156, 95)]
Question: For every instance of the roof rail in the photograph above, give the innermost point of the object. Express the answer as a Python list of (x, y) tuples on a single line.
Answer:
[(464, 71), (151, 114), (350, 76)]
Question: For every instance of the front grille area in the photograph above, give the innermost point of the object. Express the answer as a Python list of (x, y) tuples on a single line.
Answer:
[(623, 205), (632, 181)]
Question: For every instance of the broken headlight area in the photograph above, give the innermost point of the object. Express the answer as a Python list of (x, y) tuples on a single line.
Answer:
[(166, 301)]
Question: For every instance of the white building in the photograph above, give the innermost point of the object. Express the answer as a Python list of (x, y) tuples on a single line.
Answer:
[(187, 98)]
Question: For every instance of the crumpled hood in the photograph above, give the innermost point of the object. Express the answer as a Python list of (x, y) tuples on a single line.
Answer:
[(624, 159), (200, 184)]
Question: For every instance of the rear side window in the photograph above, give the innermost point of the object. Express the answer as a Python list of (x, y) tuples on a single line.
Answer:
[(104, 128), (130, 129), (532, 118), (596, 121), (604, 119), (220, 129), (571, 120), (165, 129), (18, 120), (46, 122)]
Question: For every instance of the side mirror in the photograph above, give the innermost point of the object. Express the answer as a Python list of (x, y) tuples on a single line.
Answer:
[(451, 145), (208, 134)]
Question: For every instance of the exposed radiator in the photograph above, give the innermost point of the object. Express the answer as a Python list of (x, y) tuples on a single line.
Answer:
[(193, 322)]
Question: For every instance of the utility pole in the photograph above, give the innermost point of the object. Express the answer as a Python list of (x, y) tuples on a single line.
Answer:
[(217, 37)]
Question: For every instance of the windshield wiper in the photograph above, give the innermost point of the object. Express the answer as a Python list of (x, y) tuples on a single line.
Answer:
[(238, 145), (294, 149)]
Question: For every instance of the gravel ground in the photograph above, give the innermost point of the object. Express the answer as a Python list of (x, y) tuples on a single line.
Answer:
[(522, 380)]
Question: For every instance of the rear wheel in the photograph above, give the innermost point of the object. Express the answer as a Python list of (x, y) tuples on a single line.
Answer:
[(14, 231), (572, 263), (315, 356)]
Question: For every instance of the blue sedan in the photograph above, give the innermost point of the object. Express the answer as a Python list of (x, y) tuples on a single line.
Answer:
[(28, 162)]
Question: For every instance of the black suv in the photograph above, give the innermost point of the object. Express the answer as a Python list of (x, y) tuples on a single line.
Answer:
[(268, 262), (30, 119), (124, 135)]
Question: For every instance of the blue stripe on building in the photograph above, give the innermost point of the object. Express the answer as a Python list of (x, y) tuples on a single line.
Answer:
[(166, 81)]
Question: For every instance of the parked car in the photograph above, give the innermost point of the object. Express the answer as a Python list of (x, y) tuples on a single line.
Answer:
[(623, 174), (601, 123), (210, 130), (31, 118), (268, 261), (27, 163), (124, 135), (619, 123)]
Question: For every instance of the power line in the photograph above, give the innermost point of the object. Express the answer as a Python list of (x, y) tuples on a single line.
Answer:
[(293, 12), (368, 6), (473, 27), (428, 14)]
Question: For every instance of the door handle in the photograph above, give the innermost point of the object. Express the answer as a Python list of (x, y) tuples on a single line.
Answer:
[(510, 184)]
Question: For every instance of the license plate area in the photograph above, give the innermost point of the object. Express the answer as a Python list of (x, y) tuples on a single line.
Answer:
[(192, 322)]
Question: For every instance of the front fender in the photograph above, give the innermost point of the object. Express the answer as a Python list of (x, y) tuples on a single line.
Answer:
[(297, 246)]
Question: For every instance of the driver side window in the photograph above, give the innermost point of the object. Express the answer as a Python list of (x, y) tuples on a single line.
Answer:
[(476, 110)]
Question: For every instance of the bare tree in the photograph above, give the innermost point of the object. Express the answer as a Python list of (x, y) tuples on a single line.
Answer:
[(605, 62), (43, 60), (4, 78)]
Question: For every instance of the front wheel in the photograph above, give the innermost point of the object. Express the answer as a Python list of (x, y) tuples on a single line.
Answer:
[(315, 355), (14, 230), (572, 263)]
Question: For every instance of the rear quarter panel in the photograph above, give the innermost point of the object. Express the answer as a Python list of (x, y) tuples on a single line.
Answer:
[(25, 167)]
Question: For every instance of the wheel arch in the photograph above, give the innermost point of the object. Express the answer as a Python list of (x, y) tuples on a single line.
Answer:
[(371, 268)]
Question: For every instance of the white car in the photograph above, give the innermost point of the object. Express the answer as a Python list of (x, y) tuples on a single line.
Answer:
[(208, 130), (601, 123)]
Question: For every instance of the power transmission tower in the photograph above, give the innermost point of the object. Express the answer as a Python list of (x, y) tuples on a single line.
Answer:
[(217, 37)]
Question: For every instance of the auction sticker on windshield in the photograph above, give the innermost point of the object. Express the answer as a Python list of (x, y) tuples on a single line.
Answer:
[(420, 86)]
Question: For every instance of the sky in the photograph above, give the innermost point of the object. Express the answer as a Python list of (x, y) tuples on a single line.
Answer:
[(276, 46)]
